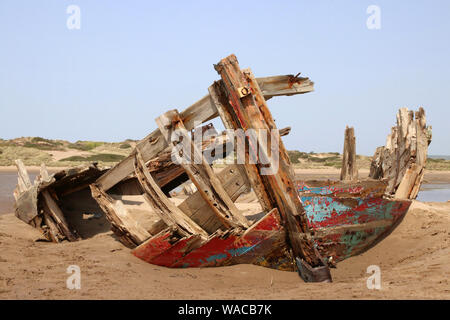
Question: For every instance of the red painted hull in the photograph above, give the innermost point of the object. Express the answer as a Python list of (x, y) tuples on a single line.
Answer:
[(343, 227)]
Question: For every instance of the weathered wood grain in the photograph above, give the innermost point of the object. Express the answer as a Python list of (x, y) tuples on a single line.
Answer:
[(249, 111), (401, 162), (201, 111), (349, 170), (199, 171), (165, 209)]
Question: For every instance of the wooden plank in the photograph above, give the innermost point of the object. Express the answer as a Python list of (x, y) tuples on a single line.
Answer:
[(53, 210), (251, 171), (199, 171), (201, 111), (245, 109), (126, 229), (43, 173), (23, 180), (170, 175), (285, 85), (285, 131), (165, 208), (233, 181), (349, 170)]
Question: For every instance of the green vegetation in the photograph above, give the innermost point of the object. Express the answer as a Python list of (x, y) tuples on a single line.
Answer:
[(437, 164), (125, 146), (101, 157), (30, 156), (85, 145)]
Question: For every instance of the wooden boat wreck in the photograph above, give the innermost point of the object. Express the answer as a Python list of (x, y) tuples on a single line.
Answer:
[(304, 226)]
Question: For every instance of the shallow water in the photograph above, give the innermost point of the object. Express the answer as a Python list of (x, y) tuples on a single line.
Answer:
[(434, 192)]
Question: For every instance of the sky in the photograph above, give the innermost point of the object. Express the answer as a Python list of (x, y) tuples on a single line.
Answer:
[(131, 61)]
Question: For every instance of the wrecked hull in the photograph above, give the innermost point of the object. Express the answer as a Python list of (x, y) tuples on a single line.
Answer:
[(306, 226), (261, 244), (343, 226), (348, 220)]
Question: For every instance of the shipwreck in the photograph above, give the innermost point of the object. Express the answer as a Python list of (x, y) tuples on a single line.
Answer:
[(303, 226)]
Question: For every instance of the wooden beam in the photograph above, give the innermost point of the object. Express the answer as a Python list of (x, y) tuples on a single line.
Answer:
[(199, 171), (233, 179), (23, 179), (251, 171), (164, 208), (125, 228), (201, 111), (249, 111), (349, 170), (53, 210)]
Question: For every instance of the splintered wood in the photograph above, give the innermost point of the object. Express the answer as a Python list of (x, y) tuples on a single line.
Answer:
[(402, 161), (349, 170)]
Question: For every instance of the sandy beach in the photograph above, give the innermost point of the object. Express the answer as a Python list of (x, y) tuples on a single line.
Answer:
[(414, 262)]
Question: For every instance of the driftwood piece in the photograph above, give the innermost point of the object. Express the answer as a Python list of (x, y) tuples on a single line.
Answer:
[(201, 111), (349, 170), (199, 171), (245, 102), (402, 160), (165, 209)]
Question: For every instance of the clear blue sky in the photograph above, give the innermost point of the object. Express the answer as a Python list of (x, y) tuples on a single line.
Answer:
[(133, 60)]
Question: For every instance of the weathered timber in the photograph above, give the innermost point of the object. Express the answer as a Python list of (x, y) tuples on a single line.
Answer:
[(402, 160), (245, 103), (164, 207), (199, 171), (232, 177), (23, 180), (201, 111), (349, 170), (124, 227), (285, 131), (361, 189), (169, 175), (221, 101), (52, 209)]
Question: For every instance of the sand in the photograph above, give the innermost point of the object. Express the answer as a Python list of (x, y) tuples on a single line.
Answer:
[(414, 262)]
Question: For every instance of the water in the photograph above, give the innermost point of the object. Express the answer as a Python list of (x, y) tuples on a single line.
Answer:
[(439, 157), (434, 192), (8, 181)]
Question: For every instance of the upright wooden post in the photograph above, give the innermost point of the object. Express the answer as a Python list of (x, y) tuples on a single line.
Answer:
[(349, 170), (245, 108)]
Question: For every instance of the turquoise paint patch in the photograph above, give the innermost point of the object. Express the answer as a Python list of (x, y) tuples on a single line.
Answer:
[(319, 208), (216, 257), (240, 251)]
